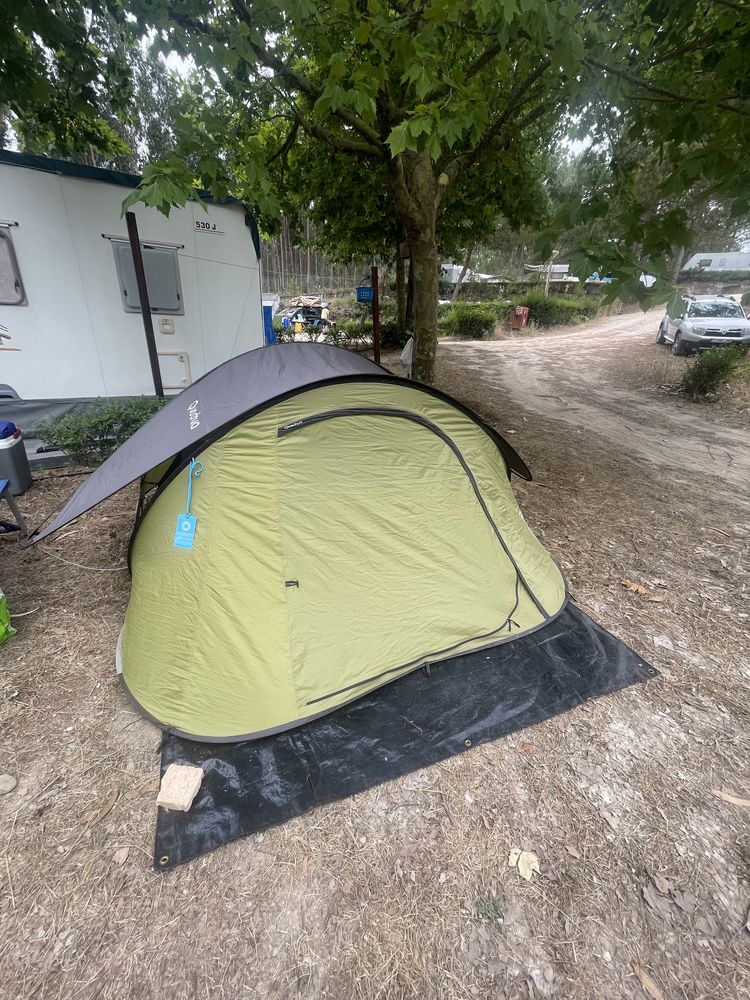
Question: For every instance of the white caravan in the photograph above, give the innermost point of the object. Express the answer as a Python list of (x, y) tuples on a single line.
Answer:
[(68, 294), (715, 260)]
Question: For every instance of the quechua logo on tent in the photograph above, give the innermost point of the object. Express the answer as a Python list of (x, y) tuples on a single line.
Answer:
[(194, 415)]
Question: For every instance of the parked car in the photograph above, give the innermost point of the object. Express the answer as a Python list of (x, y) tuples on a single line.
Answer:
[(697, 322)]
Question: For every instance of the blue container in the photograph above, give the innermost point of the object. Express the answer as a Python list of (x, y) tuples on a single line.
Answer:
[(364, 293)]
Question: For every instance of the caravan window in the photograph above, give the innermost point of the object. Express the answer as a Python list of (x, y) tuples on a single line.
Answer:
[(11, 286), (162, 278)]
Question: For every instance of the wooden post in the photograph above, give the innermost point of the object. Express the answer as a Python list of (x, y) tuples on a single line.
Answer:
[(148, 325), (375, 314)]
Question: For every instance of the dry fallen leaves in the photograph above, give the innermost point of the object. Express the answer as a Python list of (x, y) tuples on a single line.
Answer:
[(525, 861), (658, 894), (735, 800), (662, 884), (684, 899), (121, 855), (93, 816), (638, 588), (149, 788), (664, 641), (657, 902), (612, 821), (647, 983), (572, 851)]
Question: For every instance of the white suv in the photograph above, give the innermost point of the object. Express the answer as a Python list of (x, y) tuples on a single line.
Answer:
[(695, 323)]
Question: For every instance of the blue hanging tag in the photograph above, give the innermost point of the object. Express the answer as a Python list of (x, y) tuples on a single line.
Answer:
[(185, 531), (184, 534)]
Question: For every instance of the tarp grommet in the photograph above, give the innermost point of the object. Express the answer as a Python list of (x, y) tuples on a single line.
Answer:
[(164, 860), (467, 743)]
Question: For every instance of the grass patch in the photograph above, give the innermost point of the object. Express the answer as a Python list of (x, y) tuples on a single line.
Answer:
[(489, 908)]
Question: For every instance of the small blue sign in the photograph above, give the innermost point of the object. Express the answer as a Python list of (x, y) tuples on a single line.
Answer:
[(364, 293), (184, 533)]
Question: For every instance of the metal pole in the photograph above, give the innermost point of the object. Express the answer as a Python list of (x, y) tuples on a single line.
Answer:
[(555, 255), (374, 281), (148, 325)]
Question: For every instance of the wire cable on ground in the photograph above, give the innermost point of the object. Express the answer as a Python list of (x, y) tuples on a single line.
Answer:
[(93, 569)]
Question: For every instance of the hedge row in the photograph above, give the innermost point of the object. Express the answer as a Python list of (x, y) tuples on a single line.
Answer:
[(472, 321), (706, 276), (461, 319), (89, 434)]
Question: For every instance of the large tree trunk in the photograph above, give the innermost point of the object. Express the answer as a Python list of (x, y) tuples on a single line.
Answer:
[(417, 194), (400, 292), (462, 275), (424, 261), (410, 300)]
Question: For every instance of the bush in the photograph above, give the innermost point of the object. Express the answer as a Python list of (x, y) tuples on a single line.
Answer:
[(555, 310), (391, 338), (471, 322), (91, 434), (710, 369)]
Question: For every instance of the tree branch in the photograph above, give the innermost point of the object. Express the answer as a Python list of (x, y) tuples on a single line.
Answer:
[(303, 83), (518, 97), (492, 50), (287, 143), (662, 91), (340, 142)]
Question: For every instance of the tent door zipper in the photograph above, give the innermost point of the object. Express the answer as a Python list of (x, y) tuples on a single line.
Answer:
[(384, 411)]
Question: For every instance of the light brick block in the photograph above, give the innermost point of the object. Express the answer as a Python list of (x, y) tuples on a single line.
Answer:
[(179, 786)]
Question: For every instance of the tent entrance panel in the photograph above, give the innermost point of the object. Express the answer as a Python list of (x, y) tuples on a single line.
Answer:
[(390, 557)]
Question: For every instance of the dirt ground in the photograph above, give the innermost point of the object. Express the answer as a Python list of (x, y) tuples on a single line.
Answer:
[(405, 891)]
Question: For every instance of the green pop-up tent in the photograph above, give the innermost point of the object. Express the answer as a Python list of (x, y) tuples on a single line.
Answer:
[(315, 528)]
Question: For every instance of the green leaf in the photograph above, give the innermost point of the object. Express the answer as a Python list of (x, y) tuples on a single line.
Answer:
[(362, 33), (398, 139)]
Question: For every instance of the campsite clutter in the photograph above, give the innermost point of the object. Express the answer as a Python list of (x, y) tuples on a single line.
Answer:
[(14, 465)]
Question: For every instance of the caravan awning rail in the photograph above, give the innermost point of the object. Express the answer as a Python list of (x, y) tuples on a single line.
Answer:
[(144, 243)]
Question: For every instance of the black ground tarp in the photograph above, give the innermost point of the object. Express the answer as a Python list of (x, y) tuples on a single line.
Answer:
[(415, 721)]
